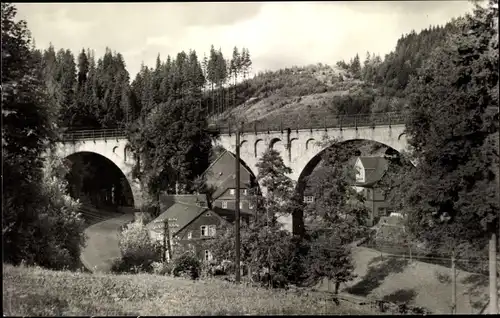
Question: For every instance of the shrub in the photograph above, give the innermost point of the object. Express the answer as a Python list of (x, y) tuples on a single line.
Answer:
[(161, 268), (187, 265), (138, 250), (55, 235)]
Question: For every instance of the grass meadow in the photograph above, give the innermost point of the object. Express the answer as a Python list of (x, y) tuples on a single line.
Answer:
[(33, 291)]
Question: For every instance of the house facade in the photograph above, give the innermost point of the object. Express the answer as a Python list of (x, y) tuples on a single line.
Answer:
[(190, 223), (369, 171), (221, 175)]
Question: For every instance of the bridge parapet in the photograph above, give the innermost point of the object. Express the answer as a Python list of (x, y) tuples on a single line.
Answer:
[(312, 121), (93, 134)]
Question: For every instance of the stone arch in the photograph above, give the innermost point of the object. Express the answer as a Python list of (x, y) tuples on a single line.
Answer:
[(259, 148), (243, 142), (293, 141), (100, 147), (130, 198), (310, 143), (273, 142), (127, 152), (114, 149), (278, 145), (315, 160)]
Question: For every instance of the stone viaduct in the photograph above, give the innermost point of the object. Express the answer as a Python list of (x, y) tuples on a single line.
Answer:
[(298, 147)]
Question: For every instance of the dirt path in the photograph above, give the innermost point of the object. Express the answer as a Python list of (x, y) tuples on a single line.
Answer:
[(102, 243)]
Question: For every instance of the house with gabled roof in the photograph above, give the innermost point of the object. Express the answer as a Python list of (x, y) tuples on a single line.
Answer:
[(192, 219), (190, 223), (221, 176)]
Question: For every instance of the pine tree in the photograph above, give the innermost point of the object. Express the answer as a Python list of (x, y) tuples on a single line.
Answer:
[(66, 76), (221, 77), (83, 68), (212, 75), (235, 69), (246, 62), (157, 79), (355, 67), (367, 72)]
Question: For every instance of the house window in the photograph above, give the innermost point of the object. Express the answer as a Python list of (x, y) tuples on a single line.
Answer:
[(308, 199), (211, 230), (204, 230), (208, 214), (231, 191), (241, 204), (250, 205), (382, 212), (360, 175), (190, 235), (245, 192), (224, 204), (207, 230), (208, 255)]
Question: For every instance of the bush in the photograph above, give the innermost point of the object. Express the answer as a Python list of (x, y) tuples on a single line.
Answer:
[(161, 268), (54, 236), (138, 250), (187, 265)]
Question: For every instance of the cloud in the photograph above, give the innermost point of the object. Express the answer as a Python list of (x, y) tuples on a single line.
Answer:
[(278, 34)]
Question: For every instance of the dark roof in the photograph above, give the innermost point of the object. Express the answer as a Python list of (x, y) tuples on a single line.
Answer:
[(167, 200), (222, 182), (229, 215), (375, 168), (207, 173), (182, 212), (228, 183), (212, 177), (187, 213)]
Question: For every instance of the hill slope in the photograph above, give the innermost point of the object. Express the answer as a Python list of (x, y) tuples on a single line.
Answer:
[(414, 283), (312, 93)]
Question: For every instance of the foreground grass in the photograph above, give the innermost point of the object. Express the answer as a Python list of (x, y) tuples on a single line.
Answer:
[(30, 291)]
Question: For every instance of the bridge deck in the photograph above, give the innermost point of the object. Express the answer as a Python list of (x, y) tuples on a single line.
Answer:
[(325, 122)]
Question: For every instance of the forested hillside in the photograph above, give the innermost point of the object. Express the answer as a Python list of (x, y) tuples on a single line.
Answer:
[(97, 92)]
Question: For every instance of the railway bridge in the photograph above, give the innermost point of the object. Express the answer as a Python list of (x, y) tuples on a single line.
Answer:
[(299, 145)]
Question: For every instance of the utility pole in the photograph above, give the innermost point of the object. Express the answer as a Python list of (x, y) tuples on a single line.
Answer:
[(166, 241), (165, 233), (453, 285), (237, 207), (493, 247)]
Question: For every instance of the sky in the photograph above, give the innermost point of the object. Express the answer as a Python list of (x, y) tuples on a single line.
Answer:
[(277, 34)]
